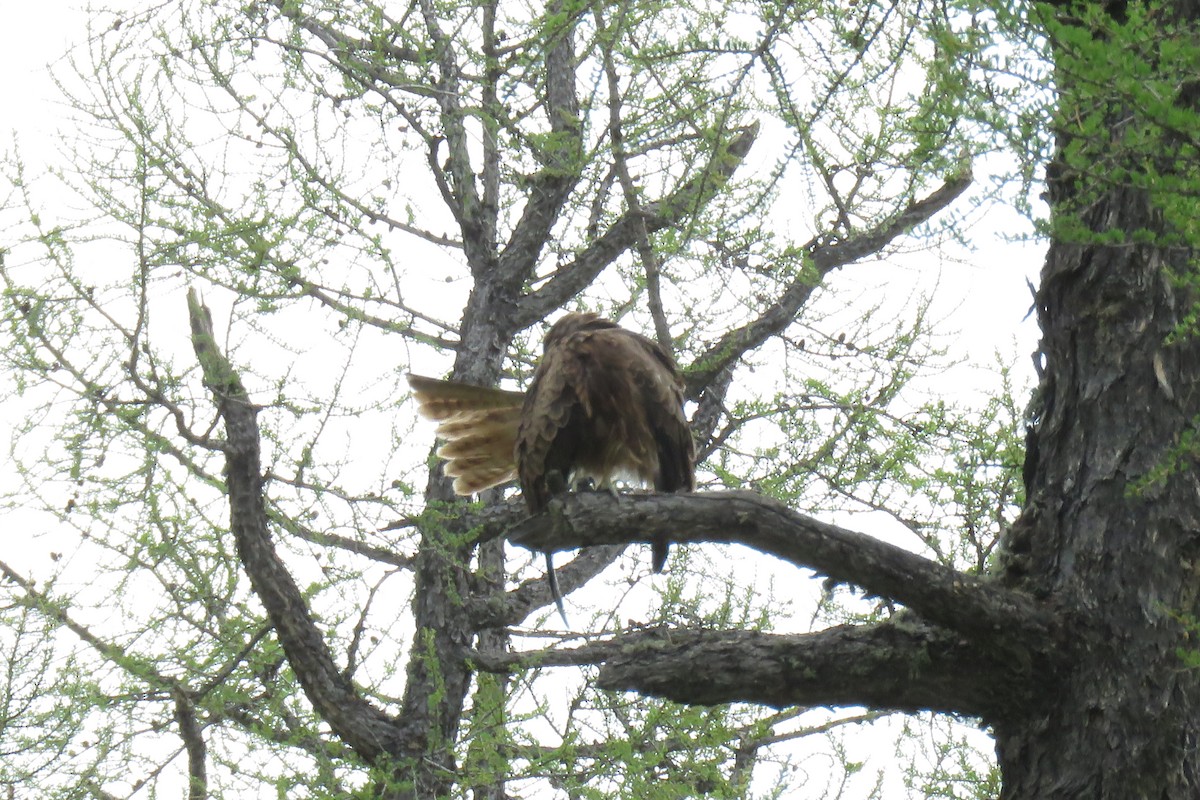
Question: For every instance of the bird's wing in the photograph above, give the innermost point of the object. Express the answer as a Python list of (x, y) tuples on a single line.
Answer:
[(545, 436), (479, 426), (605, 402), (661, 388)]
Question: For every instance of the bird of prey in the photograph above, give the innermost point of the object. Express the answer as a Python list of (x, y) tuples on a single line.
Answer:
[(605, 404)]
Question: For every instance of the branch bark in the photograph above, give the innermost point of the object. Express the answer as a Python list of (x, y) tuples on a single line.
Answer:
[(970, 605), (904, 665), (193, 744)]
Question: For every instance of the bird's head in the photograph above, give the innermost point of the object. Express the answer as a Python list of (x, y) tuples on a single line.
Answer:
[(574, 323)]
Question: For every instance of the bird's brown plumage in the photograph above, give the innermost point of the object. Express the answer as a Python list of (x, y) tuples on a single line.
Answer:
[(479, 426), (605, 403)]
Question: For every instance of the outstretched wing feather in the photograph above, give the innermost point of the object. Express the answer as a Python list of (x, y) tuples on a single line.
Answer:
[(479, 426), (438, 399)]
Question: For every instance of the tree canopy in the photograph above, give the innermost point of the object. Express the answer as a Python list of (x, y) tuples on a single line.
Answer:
[(249, 575)]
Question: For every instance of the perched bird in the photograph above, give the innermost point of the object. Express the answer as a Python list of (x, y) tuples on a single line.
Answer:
[(605, 404)]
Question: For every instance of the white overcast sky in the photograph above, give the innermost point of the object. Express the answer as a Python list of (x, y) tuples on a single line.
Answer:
[(32, 34)]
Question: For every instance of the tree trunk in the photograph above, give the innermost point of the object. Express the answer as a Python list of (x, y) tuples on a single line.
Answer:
[(1111, 528)]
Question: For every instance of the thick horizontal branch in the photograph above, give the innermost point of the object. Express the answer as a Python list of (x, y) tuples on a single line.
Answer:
[(899, 665), (896, 666), (960, 602)]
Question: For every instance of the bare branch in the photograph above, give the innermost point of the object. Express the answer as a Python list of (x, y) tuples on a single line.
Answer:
[(824, 257), (901, 665), (616, 133), (478, 235), (517, 604), (549, 188), (349, 47), (326, 539)]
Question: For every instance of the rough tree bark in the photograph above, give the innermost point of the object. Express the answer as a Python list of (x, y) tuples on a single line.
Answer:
[(1119, 395)]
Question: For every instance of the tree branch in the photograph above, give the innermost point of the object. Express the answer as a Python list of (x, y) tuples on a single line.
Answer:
[(900, 665), (193, 743), (616, 133), (549, 188), (515, 606), (970, 605), (573, 278), (366, 729), (478, 230), (824, 257), (350, 47)]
